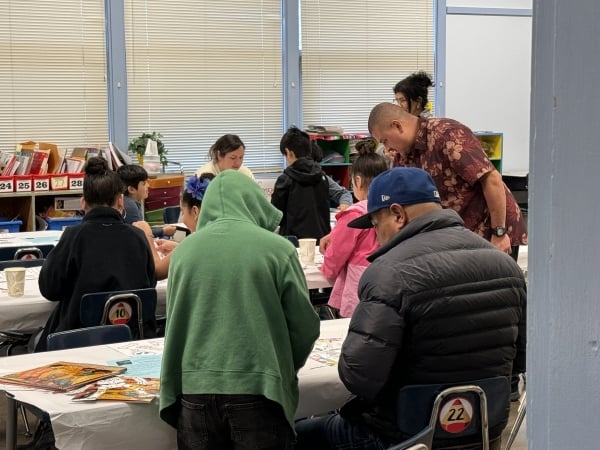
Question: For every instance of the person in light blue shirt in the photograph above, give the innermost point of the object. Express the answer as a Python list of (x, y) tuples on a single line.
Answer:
[(135, 181)]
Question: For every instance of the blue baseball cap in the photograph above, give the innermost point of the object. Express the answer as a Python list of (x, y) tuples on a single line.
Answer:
[(402, 185)]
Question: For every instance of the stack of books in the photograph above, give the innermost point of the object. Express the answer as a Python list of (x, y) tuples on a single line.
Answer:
[(32, 158), (87, 382)]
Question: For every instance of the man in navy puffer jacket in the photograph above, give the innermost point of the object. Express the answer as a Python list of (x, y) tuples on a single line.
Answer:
[(437, 304)]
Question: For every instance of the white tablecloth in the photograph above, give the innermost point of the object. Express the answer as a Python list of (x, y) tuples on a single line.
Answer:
[(314, 277), (29, 238), (32, 310), (120, 425)]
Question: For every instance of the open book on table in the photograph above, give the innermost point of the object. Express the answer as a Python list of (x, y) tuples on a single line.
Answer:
[(61, 376)]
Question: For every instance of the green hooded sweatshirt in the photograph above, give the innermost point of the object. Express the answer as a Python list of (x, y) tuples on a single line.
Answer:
[(239, 319)]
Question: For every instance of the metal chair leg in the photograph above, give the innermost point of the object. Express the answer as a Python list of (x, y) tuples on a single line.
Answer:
[(25, 420), (11, 422), (518, 421)]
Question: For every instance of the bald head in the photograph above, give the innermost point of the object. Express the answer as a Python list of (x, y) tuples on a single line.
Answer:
[(394, 128), (384, 113)]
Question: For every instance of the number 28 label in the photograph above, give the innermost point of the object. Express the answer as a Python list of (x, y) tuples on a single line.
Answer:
[(76, 183)]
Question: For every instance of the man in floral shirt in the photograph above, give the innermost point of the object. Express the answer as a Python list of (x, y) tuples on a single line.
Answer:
[(466, 179)]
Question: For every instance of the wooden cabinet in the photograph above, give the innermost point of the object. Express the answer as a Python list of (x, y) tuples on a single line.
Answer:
[(25, 205), (336, 154), (492, 146), (163, 191)]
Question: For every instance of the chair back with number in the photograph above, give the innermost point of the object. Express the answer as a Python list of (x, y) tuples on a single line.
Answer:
[(84, 337), (135, 308), (25, 252), (465, 416), (21, 263)]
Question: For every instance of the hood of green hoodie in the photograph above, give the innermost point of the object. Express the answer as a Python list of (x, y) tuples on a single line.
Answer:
[(232, 195)]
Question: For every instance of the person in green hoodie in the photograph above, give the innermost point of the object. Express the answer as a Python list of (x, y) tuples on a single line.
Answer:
[(239, 325)]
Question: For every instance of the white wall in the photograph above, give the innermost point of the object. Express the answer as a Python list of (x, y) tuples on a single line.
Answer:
[(488, 74)]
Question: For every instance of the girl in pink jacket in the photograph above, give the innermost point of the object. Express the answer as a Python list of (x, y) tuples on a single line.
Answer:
[(346, 249)]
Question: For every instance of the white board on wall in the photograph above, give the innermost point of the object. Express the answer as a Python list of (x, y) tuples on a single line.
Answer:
[(488, 79)]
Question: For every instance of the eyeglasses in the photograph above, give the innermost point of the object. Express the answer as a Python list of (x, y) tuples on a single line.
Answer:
[(400, 101)]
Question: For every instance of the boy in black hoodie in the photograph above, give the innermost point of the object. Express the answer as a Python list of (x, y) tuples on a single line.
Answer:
[(302, 191)]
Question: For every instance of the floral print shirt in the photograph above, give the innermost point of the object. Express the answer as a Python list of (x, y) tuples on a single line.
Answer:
[(454, 158)]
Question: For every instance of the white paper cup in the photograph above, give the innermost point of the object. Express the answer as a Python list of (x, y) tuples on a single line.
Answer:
[(307, 250), (15, 280)]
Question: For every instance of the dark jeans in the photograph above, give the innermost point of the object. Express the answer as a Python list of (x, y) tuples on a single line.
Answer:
[(335, 432), (210, 421)]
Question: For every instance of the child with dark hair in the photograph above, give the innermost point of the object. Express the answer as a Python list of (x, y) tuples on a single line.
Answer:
[(191, 201), (135, 179), (302, 191), (347, 250), (103, 253)]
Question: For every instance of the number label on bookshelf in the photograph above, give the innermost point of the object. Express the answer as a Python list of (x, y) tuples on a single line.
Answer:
[(6, 185), (75, 183), (23, 185), (42, 184)]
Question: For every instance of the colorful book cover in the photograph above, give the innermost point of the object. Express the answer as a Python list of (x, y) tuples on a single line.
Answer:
[(120, 388), (62, 376)]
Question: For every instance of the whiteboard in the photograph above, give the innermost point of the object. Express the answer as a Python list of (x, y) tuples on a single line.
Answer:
[(488, 79)]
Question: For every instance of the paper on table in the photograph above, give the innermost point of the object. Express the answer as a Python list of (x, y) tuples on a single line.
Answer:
[(42, 240), (327, 351), (147, 366), (145, 347)]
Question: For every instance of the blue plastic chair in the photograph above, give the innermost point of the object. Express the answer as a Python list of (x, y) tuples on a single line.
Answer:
[(84, 337), (21, 263), (27, 252), (436, 417), (171, 214), (135, 308)]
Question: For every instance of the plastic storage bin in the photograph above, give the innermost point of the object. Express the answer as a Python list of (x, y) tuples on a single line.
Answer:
[(60, 223), (12, 226)]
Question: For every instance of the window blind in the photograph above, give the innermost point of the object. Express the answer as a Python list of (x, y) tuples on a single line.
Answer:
[(197, 70), (52, 73), (355, 51)]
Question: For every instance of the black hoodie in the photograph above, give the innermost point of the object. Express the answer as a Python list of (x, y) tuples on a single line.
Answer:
[(302, 194)]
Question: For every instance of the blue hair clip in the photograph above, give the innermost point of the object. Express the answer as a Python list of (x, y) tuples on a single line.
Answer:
[(196, 187)]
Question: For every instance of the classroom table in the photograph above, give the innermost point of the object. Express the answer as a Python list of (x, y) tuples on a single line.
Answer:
[(32, 310), (110, 425), (30, 238)]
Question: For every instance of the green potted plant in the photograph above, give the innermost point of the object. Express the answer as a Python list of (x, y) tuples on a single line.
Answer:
[(138, 146)]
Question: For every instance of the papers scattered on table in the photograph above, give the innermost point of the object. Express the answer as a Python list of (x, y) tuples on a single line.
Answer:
[(140, 365), (144, 347), (327, 351), (120, 388), (61, 376)]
